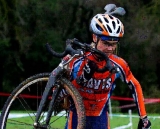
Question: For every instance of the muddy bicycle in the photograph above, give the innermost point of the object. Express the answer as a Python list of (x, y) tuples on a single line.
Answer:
[(44, 100)]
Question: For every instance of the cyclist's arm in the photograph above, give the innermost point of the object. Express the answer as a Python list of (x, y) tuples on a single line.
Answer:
[(82, 67), (137, 93), (134, 85)]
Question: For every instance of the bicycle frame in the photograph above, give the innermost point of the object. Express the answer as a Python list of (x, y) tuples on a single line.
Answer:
[(57, 72)]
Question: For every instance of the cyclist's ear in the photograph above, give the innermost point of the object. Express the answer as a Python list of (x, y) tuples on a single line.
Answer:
[(94, 38)]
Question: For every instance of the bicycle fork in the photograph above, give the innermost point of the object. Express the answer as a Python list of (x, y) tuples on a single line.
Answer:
[(50, 84)]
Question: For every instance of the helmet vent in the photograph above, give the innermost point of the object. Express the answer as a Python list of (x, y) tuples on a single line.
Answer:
[(109, 29), (110, 16), (114, 24), (106, 20), (117, 21), (98, 27), (118, 29), (100, 20)]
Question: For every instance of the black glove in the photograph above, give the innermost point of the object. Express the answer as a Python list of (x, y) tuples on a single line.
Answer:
[(144, 123), (69, 41), (88, 72)]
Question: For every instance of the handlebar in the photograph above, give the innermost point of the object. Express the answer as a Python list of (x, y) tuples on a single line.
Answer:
[(85, 47)]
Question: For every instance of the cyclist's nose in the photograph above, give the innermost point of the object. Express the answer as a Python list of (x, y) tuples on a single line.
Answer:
[(109, 47)]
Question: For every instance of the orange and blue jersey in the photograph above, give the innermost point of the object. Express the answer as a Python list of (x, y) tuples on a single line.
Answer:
[(97, 90)]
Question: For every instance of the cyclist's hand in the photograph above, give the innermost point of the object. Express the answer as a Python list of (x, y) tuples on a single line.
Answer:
[(88, 71), (69, 41), (144, 123)]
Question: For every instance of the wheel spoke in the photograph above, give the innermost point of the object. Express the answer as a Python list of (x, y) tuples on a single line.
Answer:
[(15, 122), (20, 108)]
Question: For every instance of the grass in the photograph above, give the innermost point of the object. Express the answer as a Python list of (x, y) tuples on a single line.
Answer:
[(120, 121), (115, 121), (59, 124)]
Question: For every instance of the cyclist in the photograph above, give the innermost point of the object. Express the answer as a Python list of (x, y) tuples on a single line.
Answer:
[(96, 88)]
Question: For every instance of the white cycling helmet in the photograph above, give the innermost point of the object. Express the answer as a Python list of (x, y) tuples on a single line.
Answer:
[(107, 25)]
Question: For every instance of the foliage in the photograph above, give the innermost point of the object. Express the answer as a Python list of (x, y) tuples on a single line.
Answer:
[(26, 25)]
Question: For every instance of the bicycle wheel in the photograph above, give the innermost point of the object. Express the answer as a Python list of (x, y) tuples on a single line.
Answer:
[(19, 111)]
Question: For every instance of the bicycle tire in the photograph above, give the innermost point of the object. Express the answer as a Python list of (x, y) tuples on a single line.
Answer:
[(19, 94)]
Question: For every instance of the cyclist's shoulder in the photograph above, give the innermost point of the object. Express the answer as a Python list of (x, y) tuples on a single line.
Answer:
[(118, 60)]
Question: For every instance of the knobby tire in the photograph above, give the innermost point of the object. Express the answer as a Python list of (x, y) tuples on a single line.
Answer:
[(38, 81)]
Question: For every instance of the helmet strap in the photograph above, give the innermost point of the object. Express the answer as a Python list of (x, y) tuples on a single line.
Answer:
[(117, 49), (98, 38)]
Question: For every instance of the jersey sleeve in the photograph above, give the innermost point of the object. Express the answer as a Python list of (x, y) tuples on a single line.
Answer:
[(134, 85)]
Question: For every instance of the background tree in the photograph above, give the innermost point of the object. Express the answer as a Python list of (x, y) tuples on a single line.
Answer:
[(27, 25)]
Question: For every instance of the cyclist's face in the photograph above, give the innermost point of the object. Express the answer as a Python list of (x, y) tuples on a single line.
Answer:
[(107, 47)]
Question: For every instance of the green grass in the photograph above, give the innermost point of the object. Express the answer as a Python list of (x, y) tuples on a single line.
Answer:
[(115, 121), (120, 121), (59, 124)]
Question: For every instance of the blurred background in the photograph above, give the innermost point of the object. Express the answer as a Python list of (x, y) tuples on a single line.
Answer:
[(27, 25)]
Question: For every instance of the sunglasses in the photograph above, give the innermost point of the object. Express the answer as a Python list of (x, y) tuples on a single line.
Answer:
[(107, 43), (108, 38)]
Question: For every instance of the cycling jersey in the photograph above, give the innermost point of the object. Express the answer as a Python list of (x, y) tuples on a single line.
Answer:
[(97, 90)]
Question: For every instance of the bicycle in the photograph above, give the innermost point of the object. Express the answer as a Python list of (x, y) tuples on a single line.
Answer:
[(54, 94)]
